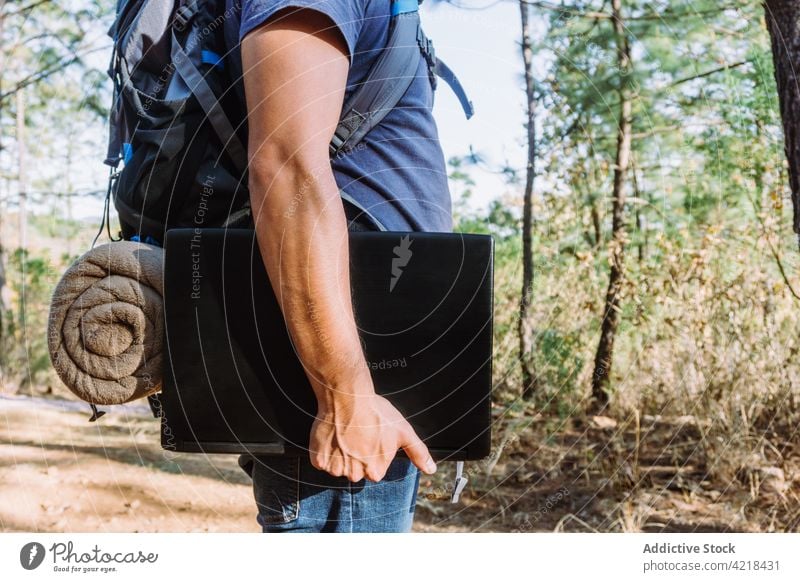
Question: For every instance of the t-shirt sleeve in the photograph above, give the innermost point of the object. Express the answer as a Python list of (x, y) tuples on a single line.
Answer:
[(347, 16)]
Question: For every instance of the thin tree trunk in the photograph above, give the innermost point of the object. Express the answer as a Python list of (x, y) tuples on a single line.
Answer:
[(22, 170), (525, 329), (68, 197), (597, 222), (783, 23), (641, 220), (598, 231), (25, 383), (2, 214), (605, 348)]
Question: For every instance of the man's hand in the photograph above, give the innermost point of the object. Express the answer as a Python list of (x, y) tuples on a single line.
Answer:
[(295, 72), (359, 438)]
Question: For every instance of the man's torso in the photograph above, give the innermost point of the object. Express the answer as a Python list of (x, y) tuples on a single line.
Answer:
[(397, 172)]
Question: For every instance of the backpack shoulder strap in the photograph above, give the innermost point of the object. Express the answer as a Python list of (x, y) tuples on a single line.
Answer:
[(386, 82), (390, 77), (211, 106), (197, 84), (438, 68)]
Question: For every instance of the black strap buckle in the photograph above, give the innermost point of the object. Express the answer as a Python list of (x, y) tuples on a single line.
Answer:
[(184, 14), (346, 128), (336, 144), (427, 50)]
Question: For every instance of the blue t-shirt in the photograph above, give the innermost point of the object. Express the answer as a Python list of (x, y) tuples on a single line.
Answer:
[(398, 172)]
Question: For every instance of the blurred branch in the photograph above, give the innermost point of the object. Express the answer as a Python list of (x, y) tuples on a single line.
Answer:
[(600, 15), (709, 73), (571, 10), (775, 254), (779, 263), (28, 8), (41, 75)]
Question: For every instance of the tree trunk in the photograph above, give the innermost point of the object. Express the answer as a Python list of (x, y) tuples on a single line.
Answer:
[(641, 220), (22, 170), (598, 230), (68, 197), (608, 330), (783, 23), (525, 329), (2, 239)]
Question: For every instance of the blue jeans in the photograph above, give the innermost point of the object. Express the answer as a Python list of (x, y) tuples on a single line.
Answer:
[(293, 496)]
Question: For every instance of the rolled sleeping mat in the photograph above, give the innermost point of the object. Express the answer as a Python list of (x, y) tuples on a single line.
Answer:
[(106, 323)]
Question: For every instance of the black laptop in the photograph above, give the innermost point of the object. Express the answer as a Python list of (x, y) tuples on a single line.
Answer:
[(234, 384)]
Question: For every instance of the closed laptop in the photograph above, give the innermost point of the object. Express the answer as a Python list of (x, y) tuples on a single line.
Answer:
[(233, 382)]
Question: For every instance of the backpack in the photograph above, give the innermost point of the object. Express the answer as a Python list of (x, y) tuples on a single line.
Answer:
[(177, 125)]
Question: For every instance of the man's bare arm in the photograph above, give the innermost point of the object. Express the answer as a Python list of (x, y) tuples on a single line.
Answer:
[(295, 72)]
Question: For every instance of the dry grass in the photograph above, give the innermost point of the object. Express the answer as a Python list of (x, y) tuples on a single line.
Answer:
[(701, 433), (635, 475)]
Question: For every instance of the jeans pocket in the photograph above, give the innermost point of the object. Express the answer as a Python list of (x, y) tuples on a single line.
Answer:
[(276, 486)]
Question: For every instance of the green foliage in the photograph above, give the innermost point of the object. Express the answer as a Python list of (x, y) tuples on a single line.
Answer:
[(500, 221), (30, 279), (560, 361), (56, 226), (705, 205)]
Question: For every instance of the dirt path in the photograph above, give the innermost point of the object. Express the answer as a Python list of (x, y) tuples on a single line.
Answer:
[(61, 473)]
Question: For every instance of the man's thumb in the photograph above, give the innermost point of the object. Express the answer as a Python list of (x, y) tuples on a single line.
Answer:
[(418, 452)]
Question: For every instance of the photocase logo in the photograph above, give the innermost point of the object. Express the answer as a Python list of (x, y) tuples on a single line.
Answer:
[(402, 254), (31, 555)]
